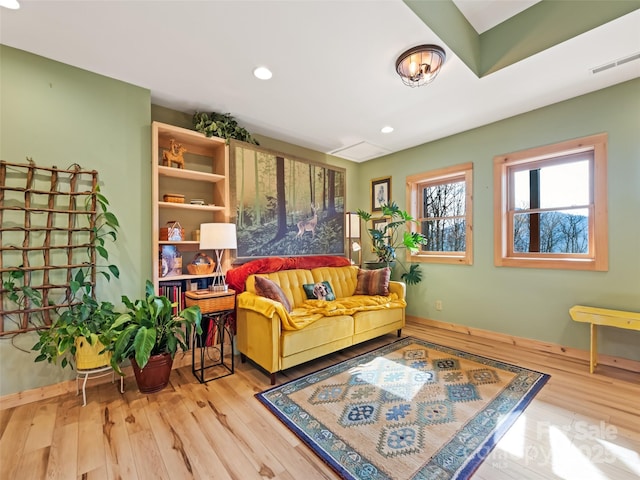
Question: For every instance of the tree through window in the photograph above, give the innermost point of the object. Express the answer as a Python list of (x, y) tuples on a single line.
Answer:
[(441, 201), (550, 206)]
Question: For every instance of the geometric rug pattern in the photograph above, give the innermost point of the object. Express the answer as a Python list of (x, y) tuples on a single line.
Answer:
[(408, 410)]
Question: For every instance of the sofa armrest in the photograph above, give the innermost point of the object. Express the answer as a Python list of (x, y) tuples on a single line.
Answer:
[(399, 288), (257, 334)]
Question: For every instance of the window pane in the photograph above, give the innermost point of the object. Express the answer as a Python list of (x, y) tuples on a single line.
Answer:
[(561, 185), (560, 232), (444, 235), (446, 200)]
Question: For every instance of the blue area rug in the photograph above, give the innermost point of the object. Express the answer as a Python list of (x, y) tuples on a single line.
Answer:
[(409, 410)]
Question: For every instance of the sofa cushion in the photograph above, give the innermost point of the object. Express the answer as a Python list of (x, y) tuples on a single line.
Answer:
[(373, 282), (319, 291), (270, 289), (343, 279), (323, 331)]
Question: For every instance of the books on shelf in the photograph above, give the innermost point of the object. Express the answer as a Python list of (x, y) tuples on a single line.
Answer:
[(174, 291)]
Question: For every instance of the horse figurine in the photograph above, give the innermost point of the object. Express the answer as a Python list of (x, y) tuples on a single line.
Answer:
[(174, 154)]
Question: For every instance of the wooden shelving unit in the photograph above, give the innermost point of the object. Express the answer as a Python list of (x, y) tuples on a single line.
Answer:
[(205, 176)]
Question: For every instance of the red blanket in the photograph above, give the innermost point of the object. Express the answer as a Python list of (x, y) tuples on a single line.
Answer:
[(236, 277)]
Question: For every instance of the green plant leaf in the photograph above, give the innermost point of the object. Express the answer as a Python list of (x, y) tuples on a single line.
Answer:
[(114, 271), (143, 344), (102, 252)]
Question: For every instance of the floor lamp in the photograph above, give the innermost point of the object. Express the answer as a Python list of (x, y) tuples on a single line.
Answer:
[(352, 222), (218, 237)]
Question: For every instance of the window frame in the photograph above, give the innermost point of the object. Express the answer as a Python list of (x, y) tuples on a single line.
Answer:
[(597, 257), (440, 176)]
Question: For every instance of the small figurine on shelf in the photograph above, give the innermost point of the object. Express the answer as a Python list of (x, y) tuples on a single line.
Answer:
[(174, 154)]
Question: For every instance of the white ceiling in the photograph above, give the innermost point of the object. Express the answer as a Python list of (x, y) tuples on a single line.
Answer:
[(334, 84)]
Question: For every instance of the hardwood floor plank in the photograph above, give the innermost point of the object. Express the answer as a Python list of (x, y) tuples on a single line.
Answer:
[(120, 463), (12, 443)]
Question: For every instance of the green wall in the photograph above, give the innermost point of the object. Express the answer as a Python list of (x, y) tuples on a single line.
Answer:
[(534, 303), (59, 115)]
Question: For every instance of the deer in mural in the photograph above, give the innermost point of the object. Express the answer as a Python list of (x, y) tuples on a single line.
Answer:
[(308, 225)]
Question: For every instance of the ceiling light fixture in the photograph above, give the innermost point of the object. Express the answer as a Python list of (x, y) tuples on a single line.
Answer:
[(12, 4), (263, 73), (420, 65), (386, 129)]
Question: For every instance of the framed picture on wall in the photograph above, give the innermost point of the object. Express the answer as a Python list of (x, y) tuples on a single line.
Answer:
[(380, 193), (284, 205)]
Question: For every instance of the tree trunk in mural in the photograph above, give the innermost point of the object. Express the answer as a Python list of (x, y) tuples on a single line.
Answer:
[(258, 203), (332, 192), (281, 195), (240, 220)]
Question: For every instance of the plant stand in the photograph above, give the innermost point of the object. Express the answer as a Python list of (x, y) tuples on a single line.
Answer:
[(215, 353), (95, 373)]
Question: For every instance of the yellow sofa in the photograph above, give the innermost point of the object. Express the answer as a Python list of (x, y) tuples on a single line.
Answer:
[(275, 339)]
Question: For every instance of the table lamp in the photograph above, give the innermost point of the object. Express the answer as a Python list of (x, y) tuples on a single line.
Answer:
[(218, 237)]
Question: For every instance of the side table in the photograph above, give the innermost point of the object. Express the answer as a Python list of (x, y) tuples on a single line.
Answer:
[(216, 308)]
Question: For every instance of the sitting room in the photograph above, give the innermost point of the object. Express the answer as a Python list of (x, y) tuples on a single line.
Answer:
[(308, 239)]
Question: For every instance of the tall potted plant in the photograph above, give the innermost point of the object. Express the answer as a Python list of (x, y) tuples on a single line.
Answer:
[(393, 236), (149, 334)]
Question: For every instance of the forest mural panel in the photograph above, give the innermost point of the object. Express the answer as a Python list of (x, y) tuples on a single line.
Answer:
[(285, 206)]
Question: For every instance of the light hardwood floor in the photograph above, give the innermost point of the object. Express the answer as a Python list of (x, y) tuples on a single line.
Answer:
[(579, 426)]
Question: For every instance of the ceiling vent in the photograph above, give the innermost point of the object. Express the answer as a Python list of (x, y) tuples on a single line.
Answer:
[(360, 152), (616, 63)]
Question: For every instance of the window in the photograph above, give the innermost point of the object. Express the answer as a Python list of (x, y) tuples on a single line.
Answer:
[(551, 206), (441, 202)]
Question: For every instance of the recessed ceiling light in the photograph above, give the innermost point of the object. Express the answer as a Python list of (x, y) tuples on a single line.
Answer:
[(387, 129), (263, 73), (12, 4)]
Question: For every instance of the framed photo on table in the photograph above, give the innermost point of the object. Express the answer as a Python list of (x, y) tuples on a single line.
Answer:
[(380, 193)]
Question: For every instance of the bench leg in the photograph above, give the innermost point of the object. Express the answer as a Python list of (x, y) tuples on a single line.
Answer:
[(399, 332), (593, 354), (273, 378)]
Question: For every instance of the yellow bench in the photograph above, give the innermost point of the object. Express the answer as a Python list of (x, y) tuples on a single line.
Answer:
[(603, 316)]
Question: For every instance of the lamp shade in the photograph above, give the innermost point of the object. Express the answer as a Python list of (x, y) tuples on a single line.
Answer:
[(353, 225), (218, 236)]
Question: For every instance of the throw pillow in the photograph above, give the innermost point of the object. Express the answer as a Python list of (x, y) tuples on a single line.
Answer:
[(270, 289), (319, 291), (373, 282)]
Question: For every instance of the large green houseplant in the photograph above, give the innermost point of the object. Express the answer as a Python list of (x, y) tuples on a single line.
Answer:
[(149, 334), (394, 236)]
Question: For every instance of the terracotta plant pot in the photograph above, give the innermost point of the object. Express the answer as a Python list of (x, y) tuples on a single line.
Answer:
[(155, 375)]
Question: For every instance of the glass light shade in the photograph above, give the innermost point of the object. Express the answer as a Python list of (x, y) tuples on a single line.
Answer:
[(420, 65)]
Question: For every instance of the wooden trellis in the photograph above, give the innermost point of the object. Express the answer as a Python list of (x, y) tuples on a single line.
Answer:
[(47, 231)]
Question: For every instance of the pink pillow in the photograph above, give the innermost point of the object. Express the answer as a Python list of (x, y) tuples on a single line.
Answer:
[(270, 289), (373, 282)]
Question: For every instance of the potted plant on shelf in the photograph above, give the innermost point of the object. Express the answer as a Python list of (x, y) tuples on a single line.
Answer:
[(149, 334), (391, 237)]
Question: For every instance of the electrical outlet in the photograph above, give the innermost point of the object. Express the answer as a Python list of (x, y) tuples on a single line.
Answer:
[(438, 305)]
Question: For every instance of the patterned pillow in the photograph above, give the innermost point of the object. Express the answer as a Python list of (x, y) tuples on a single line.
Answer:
[(373, 282), (319, 291), (270, 289)]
